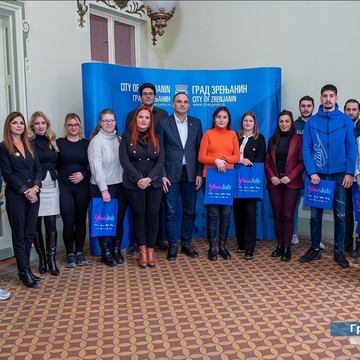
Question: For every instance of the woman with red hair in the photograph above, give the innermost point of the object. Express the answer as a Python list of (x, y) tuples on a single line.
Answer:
[(142, 157)]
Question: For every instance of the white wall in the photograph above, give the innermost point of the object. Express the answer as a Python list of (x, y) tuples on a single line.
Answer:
[(314, 42), (56, 48)]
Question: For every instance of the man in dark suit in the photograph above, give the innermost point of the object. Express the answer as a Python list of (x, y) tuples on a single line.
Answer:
[(147, 92), (180, 135)]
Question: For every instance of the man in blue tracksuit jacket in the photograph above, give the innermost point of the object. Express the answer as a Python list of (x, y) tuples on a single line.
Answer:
[(329, 152)]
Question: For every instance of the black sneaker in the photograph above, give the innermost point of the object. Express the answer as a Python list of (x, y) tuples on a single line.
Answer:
[(311, 254), (340, 258), (70, 260), (81, 259), (240, 250), (249, 255)]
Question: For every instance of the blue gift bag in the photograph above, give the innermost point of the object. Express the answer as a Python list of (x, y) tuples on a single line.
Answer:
[(249, 181), (103, 217), (320, 195), (219, 187)]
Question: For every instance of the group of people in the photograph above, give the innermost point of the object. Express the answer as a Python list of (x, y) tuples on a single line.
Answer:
[(162, 159)]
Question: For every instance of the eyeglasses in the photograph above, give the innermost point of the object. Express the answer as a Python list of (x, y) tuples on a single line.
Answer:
[(109, 121), (73, 125), (147, 94)]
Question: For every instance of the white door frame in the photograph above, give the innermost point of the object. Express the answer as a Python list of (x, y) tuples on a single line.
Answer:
[(13, 95)]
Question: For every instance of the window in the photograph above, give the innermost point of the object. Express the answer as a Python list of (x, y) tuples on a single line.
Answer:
[(112, 39)]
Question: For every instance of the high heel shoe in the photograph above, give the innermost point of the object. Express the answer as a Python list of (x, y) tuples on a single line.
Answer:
[(27, 280)]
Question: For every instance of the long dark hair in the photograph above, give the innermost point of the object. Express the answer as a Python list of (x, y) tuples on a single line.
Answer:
[(276, 136), (149, 134), (221, 108), (8, 140)]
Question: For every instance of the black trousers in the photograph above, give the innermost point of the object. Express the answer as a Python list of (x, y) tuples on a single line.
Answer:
[(245, 223), (145, 208), (74, 202), (22, 218)]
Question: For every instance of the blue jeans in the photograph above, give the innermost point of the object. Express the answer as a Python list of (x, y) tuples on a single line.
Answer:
[(339, 207), (187, 191)]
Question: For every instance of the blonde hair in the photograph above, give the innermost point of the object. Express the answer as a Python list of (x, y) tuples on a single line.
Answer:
[(68, 117), (50, 134)]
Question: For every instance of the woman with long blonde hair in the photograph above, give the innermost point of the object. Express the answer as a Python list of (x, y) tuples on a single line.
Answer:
[(44, 138)]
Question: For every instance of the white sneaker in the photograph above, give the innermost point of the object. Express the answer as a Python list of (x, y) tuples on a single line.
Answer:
[(4, 295), (322, 246), (295, 239)]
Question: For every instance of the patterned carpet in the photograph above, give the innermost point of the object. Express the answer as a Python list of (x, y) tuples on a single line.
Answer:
[(187, 309)]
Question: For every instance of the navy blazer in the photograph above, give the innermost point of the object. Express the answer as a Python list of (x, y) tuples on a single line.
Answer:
[(140, 163), (174, 151), (294, 165), (18, 172)]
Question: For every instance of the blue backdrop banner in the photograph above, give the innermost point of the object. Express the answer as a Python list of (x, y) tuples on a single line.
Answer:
[(257, 90)]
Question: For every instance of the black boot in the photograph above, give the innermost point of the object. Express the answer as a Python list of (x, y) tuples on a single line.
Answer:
[(286, 256), (212, 254), (34, 277), (279, 251), (39, 247), (223, 229), (116, 252), (211, 223), (223, 251), (27, 280), (51, 238), (106, 256), (356, 252)]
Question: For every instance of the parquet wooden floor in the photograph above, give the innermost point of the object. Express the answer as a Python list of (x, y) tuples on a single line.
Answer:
[(186, 309)]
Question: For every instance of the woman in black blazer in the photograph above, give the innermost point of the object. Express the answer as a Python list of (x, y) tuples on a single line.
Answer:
[(142, 157), (252, 149), (44, 139), (21, 171)]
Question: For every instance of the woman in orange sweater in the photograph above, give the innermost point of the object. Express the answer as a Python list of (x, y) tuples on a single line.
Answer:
[(219, 148)]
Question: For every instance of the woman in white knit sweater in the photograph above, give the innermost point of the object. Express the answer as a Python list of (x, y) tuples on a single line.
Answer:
[(106, 179)]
